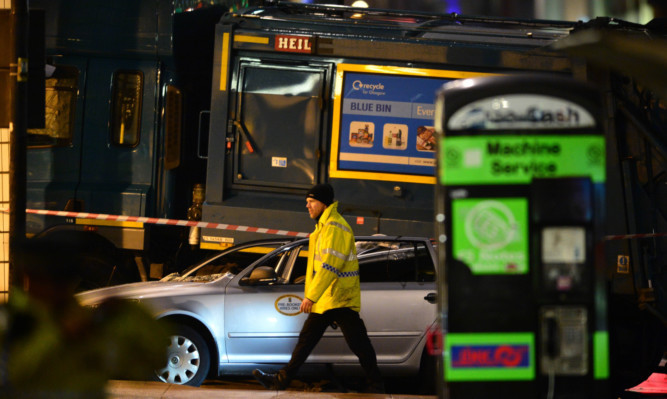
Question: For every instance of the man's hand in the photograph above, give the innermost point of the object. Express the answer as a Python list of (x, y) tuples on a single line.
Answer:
[(306, 305)]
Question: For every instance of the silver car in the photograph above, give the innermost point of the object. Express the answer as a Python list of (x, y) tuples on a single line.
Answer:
[(240, 309)]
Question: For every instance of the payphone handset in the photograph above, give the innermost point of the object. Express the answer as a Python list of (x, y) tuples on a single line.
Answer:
[(564, 343)]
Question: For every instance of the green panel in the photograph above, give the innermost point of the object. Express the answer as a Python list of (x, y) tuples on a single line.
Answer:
[(518, 159), (489, 356), (601, 353), (491, 235)]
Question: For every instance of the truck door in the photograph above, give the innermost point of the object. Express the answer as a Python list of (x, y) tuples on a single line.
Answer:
[(53, 156), (119, 136), (278, 125)]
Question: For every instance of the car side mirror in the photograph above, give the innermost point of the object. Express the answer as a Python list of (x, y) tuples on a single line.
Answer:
[(262, 275)]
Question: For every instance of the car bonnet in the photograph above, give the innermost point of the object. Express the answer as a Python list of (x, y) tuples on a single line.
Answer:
[(144, 290)]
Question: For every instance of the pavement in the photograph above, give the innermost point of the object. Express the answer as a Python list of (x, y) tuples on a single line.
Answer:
[(118, 389)]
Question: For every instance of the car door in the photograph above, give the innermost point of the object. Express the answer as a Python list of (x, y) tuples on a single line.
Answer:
[(396, 277), (262, 319)]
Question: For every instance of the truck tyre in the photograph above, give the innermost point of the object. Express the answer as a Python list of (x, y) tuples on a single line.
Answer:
[(89, 260)]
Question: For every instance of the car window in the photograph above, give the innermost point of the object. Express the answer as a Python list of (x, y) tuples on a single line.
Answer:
[(232, 262), (278, 264), (298, 272), (289, 267), (379, 261), (395, 262)]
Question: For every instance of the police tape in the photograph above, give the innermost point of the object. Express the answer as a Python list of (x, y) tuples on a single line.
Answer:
[(168, 222), (634, 236), (249, 229)]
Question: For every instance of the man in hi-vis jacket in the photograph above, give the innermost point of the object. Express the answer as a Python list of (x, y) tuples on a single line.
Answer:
[(332, 293)]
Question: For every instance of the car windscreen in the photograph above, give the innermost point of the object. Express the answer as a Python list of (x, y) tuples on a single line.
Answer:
[(232, 262)]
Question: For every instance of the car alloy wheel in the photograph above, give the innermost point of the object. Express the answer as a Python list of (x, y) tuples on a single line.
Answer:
[(187, 358)]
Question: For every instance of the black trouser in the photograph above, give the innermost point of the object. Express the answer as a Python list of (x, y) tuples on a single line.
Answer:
[(354, 331)]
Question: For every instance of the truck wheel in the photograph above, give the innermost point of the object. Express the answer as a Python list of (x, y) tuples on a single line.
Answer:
[(90, 261), (187, 358), (98, 269)]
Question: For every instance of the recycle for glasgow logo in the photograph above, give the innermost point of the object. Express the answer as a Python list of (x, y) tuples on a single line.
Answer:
[(491, 235), (490, 225)]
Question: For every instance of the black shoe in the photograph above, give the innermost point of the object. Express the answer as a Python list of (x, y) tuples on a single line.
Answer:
[(374, 387), (270, 381)]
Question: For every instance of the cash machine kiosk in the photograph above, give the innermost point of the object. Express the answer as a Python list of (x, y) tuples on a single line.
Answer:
[(520, 198)]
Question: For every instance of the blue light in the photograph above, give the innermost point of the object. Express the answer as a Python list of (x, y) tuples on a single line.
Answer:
[(452, 6)]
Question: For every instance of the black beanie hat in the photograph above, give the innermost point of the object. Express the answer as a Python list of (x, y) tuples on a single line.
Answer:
[(323, 193)]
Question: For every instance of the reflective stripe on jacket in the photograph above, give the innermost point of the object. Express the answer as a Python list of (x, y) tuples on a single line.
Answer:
[(332, 277)]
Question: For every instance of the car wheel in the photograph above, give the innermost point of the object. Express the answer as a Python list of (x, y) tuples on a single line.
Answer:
[(188, 358)]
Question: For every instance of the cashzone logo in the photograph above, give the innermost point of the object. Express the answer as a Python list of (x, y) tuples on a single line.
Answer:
[(523, 111)]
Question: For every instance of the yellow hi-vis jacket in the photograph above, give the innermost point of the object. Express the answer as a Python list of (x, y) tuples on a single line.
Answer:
[(332, 277)]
